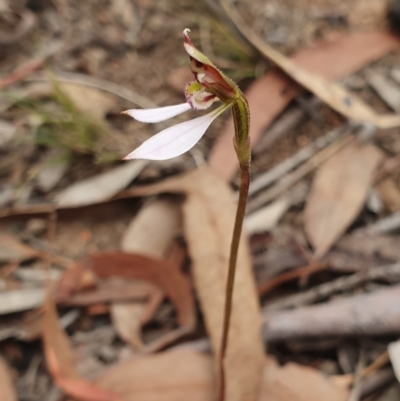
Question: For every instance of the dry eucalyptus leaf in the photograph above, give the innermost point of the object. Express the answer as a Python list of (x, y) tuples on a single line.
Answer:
[(208, 218), (100, 187), (338, 192), (6, 384), (187, 374)]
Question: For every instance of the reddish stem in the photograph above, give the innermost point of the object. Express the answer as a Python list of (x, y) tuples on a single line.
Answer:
[(237, 231)]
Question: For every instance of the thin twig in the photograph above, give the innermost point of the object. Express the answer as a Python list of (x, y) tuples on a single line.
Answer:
[(355, 392), (341, 284), (348, 380), (382, 226), (312, 267)]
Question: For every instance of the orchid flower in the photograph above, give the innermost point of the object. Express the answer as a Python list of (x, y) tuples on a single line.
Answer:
[(210, 86)]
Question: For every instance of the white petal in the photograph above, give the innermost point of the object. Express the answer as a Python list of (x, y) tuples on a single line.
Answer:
[(158, 114), (176, 140)]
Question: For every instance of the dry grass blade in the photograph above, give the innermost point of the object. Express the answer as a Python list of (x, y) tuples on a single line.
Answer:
[(338, 193), (6, 385), (209, 212)]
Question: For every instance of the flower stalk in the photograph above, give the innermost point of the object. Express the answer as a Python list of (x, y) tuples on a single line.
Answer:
[(241, 119)]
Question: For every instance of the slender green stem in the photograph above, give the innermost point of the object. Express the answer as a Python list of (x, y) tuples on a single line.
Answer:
[(237, 230)]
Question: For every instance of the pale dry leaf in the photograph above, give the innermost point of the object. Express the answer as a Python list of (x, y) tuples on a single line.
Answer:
[(267, 217), (269, 95), (153, 229), (20, 300), (338, 192), (183, 374), (208, 218), (331, 93), (91, 101), (388, 90), (100, 187), (394, 355), (12, 250), (51, 173), (6, 385), (127, 319)]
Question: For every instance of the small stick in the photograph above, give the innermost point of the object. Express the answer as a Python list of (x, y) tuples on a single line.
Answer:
[(312, 267), (348, 380), (341, 284), (382, 226), (355, 392)]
